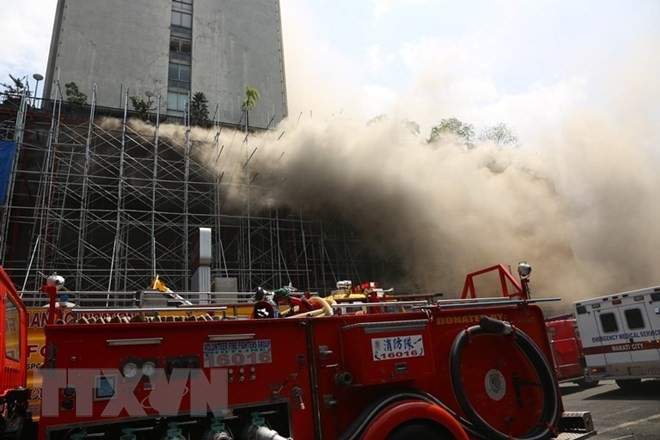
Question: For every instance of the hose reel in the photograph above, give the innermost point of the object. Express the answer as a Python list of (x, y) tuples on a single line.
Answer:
[(550, 410)]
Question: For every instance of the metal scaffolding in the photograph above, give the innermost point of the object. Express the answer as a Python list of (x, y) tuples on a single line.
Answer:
[(108, 207)]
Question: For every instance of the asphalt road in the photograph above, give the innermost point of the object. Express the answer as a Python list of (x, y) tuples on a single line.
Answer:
[(618, 415)]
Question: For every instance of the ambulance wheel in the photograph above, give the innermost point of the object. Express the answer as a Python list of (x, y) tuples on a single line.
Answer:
[(629, 384), (419, 429), (582, 383)]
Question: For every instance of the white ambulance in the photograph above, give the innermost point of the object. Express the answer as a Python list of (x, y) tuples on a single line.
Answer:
[(620, 335)]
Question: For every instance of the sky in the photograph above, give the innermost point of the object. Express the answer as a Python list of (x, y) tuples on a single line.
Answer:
[(512, 61), (576, 80), (520, 62)]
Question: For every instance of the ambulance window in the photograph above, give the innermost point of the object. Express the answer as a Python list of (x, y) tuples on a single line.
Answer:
[(12, 331), (608, 321), (634, 319)]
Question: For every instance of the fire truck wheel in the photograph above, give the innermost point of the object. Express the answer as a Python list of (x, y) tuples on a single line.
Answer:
[(418, 429), (629, 384), (549, 414)]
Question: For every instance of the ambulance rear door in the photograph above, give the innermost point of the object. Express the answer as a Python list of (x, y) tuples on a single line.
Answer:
[(591, 333), (610, 320)]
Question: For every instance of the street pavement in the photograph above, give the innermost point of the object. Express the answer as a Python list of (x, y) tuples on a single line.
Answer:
[(617, 414)]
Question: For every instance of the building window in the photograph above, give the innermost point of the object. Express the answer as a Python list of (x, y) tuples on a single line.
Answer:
[(634, 319), (180, 56), (176, 101), (181, 24), (608, 321), (182, 5), (179, 76), (180, 49), (181, 19)]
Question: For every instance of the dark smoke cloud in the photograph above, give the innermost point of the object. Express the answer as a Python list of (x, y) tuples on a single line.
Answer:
[(446, 211)]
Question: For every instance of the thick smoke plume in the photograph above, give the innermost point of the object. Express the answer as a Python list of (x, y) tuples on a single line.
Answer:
[(583, 210)]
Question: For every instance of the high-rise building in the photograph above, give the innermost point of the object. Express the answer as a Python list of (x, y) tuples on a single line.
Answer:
[(172, 49)]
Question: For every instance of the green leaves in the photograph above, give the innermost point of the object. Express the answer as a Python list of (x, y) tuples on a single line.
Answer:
[(251, 97), (199, 110), (141, 106), (13, 91), (454, 127), (500, 134), (74, 95)]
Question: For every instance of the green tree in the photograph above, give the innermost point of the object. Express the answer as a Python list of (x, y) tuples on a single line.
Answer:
[(251, 97), (13, 92), (453, 126), (377, 119), (411, 126), (142, 106), (501, 135), (199, 110), (74, 95)]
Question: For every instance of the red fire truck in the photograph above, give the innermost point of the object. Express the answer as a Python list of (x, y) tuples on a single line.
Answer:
[(454, 369)]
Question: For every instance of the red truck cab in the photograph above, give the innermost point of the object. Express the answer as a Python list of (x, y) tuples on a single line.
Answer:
[(567, 350), (13, 359), (14, 337)]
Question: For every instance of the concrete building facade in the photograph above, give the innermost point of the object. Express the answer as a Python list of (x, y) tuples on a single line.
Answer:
[(172, 49)]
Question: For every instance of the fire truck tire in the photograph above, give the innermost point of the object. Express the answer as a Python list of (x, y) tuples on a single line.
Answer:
[(629, 384), (410, 419), (550, 413)]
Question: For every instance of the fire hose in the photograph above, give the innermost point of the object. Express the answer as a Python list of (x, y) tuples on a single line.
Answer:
[(265, 433), (260, 431), (550, 413), (316, 301)]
